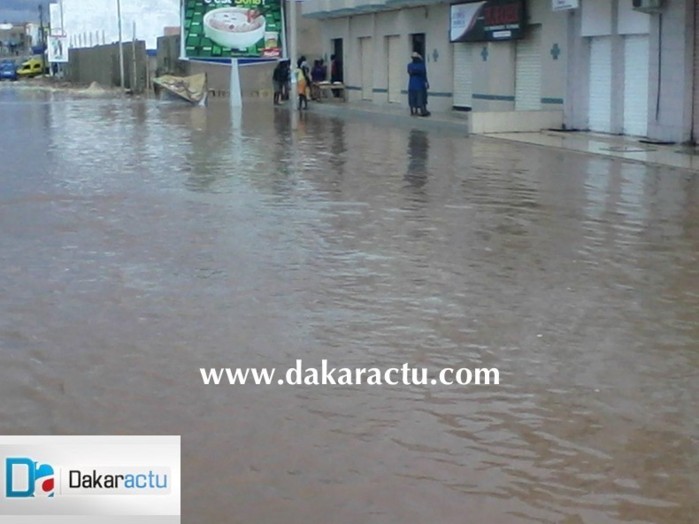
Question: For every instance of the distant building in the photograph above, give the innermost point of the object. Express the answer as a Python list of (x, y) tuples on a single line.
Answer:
[(14, 39), (33, 34)]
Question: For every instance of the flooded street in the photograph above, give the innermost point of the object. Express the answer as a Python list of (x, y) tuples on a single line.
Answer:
[(141, 241)]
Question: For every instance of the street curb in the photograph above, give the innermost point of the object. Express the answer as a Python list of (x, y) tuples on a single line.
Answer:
[(608, 156), (432, 123)]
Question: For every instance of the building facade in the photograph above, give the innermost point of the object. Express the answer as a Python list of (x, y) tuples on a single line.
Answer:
[(600, 65), (14, 39), (508, 83), (633, 72)]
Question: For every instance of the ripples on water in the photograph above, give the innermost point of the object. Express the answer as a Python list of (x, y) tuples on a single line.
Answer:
[(141, 241)]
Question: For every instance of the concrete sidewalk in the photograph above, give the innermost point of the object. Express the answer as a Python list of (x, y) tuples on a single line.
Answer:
[(395, 115), (622, 147)]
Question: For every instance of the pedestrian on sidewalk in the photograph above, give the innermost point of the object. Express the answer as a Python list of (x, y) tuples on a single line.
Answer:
[(286, 79), (317, 76), (303, 82), (278, 79), (417, 86), (336, 73)]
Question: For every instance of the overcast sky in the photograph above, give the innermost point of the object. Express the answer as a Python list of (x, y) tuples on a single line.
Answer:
[(22, 10)]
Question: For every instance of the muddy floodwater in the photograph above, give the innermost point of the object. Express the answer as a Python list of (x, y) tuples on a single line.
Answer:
[(140, 242)]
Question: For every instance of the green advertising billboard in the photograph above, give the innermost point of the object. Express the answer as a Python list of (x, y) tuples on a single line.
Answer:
[(232, 28)]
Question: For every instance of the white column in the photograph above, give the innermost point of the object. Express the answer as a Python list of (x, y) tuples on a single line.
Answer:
[(292, 63), (235, 93)]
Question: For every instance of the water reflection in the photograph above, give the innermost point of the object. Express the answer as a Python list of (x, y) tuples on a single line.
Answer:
[(154, 239), (418, 154), (338, 147)]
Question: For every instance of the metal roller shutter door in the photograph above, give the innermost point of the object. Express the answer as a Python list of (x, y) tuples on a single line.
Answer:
[(528, 71), (636, 85), (463, 75), (600, 107)]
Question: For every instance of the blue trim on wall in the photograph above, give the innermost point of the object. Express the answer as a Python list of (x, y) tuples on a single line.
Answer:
[(227, 61), (499, 98), (432, 93), (476, 96)]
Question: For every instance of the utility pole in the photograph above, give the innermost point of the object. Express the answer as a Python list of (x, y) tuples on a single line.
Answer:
[(121, 48), (291, 4), (134, 72), (42, 39)]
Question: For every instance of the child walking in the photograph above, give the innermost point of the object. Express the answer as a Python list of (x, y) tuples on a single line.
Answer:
[(302, 82)]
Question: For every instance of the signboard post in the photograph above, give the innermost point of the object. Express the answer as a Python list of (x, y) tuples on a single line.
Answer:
[(236, 95)]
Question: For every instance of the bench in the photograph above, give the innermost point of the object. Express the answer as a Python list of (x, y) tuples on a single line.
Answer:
[(325, 90)]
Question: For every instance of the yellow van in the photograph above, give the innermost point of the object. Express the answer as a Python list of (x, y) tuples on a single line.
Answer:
[(30, 68)]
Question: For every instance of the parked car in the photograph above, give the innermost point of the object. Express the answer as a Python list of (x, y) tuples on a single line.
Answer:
[(30, 68), (8, 70)]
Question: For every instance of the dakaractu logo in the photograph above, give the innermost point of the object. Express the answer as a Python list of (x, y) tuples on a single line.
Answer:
[(27, 478)]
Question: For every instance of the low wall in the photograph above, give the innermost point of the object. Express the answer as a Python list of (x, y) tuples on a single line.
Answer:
[(514, 121), (101, 64), (167, 56)]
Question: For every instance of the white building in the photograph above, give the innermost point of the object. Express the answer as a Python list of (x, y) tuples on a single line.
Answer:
[(516, 82), (33, 35), (633, 72), (87, 23), (598, 65)]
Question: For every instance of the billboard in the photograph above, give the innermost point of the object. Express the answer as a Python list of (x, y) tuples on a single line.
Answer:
[(58, 48), (487, 21), (232, 28), (55, 19), (562, 5)]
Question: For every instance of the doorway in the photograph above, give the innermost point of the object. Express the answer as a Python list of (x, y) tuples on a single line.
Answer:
[(336, 66), (418, 44)]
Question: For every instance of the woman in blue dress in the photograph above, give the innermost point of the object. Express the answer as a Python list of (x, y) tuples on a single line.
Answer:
[(418, 86)]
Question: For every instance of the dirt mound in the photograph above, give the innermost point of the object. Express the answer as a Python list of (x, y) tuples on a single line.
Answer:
[(94, 87)]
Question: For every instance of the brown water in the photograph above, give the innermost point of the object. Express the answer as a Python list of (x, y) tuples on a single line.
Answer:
[(141, 241)]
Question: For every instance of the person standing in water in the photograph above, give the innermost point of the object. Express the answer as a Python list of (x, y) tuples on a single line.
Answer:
[(278, 79), (418, 86), (302, 82)]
